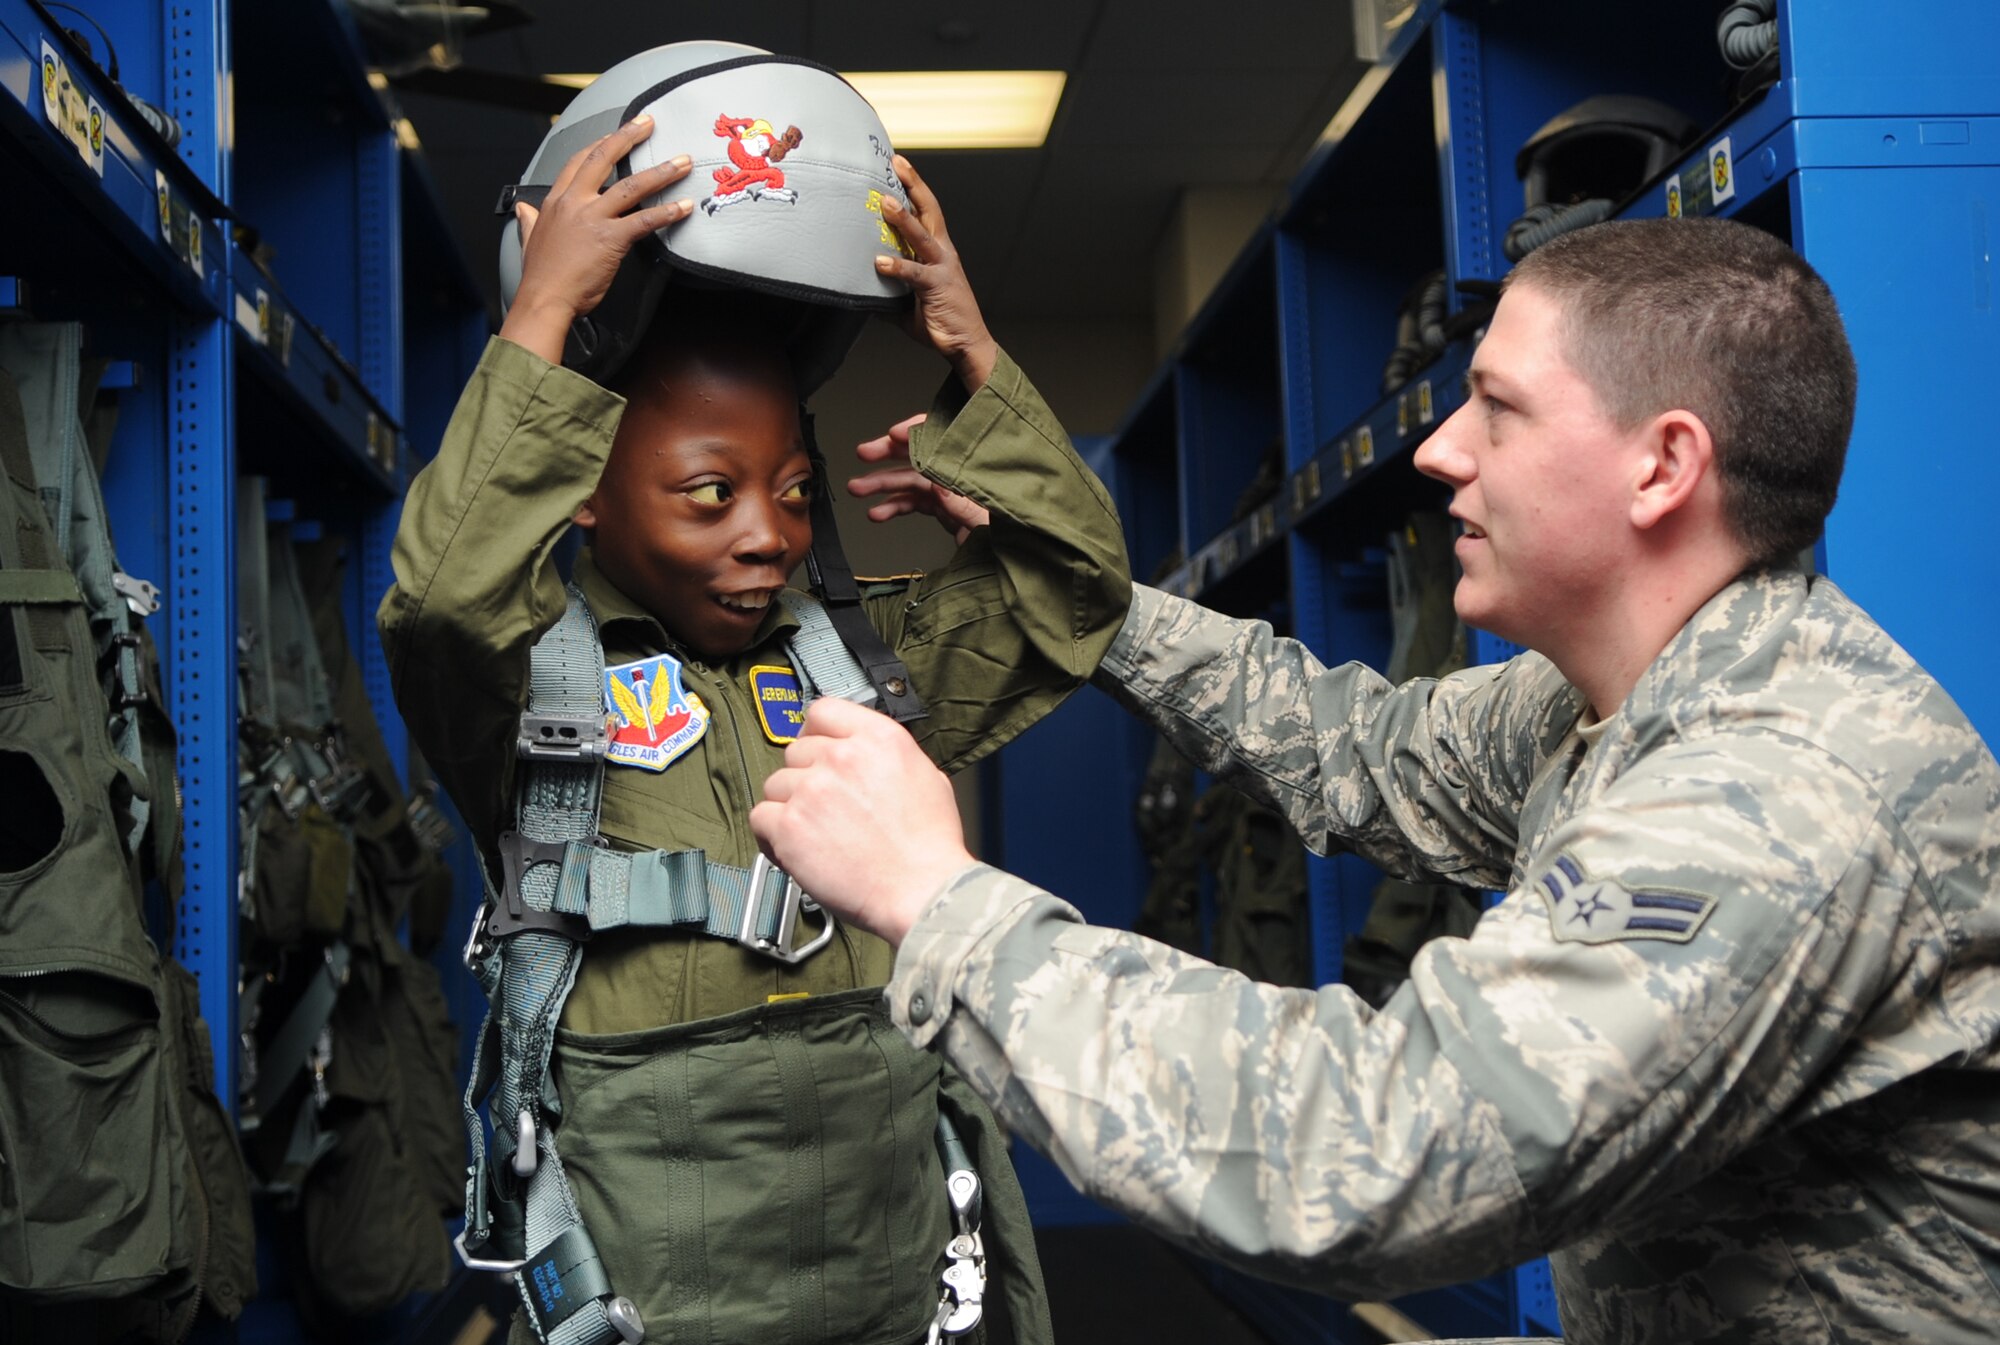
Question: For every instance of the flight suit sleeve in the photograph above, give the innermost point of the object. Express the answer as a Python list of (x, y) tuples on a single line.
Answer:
[(1663, 992), (1026, 607), (1425, 778), (475, 579)]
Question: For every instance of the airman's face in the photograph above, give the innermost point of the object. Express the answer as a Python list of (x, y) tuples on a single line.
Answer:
[(1540, 478)]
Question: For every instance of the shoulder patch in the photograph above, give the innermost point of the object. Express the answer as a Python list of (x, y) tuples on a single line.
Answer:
[(781, 710), (1583, 909), (654, 720)]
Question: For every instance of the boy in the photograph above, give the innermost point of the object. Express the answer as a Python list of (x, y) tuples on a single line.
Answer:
[(749, 1142)]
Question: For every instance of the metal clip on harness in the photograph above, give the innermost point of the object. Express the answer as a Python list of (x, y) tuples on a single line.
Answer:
[(963, 1299), (781, 945)]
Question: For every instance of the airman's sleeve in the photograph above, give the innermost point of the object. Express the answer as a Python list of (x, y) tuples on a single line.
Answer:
[(1425, 778), (1662, 993), (475, 581), (1026, 607)]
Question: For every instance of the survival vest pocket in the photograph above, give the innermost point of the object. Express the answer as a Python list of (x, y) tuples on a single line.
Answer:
[(86, 1183)]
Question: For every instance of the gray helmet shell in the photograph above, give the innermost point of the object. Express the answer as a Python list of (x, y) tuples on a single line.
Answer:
[(790, 165)]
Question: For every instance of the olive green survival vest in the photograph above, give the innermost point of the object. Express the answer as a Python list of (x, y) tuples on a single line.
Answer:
[(789, 1109), (123, 1201)]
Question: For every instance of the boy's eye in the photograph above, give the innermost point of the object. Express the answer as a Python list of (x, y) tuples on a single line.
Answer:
[(801, 489), (710, 492)]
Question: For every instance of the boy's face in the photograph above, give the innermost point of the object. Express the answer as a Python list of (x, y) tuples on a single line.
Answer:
[(703, 508)]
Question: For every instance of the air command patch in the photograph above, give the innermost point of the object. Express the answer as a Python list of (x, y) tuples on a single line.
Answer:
[(1588, 910), (653, 720), (780, 705)]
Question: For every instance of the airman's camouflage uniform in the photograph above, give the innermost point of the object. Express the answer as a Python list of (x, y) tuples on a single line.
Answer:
[(1728, 1049)]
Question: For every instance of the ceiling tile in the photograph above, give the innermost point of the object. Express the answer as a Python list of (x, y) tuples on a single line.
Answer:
[(578, 36), (985, 198), (952, 35), (1183, 107), (1201, 35)]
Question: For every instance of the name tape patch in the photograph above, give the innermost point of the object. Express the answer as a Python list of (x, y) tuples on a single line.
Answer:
[(780, 700)]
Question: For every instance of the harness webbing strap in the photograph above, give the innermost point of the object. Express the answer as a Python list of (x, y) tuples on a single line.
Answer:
[(671, 888), (834, 579), (521, 1215), (527, 978), (820, 658)]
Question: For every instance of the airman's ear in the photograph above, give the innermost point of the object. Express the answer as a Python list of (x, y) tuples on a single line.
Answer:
[(1678, 456), (585, 515)]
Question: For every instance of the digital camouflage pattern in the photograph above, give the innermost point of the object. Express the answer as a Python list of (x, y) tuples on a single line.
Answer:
[(1727, 1050)]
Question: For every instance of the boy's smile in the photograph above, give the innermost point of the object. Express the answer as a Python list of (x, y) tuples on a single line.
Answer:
[(704, 506)]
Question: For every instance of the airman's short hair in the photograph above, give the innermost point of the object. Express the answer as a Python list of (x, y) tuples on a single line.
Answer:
[(1726, 321)]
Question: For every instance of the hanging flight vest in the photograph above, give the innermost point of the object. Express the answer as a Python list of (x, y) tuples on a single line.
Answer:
[(1163, 815), (675, 1101), (99, 1034), (1428, 640), (373, 1213)]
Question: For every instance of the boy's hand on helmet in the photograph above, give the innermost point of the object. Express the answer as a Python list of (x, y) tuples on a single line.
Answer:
[(947, 316), (905, 490), (572, 246)]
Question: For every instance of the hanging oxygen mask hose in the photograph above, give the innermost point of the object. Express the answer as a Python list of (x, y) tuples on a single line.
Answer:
[(1425, 325), (1747, 32), (1581, 165)]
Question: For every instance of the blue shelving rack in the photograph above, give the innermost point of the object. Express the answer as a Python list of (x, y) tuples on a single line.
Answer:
[(1876, 153), (280, 295)]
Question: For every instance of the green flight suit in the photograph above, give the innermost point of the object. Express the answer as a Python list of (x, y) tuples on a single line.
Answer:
[(993, 640)]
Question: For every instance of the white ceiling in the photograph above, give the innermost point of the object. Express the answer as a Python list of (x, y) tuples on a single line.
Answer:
[(1162, 95)]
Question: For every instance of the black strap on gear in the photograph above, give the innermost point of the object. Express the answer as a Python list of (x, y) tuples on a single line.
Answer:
[(833, 582)]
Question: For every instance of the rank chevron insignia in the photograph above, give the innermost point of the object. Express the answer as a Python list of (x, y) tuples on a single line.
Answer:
[(1587, 910)]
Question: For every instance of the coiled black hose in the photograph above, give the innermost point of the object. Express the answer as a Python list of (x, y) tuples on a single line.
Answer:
[(1543, 222)]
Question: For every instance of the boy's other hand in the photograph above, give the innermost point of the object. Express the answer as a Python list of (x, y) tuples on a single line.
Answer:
[(572, 246), (905, 490), (947, 316)]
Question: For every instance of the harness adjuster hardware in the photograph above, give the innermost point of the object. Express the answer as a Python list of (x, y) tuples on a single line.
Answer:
[(782, 943), (140, 595), (510, 915), (561, 738)]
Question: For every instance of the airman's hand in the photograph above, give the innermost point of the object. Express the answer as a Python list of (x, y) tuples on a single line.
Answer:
[(862, 819), (905, 490), (947, 315), (572, 246)]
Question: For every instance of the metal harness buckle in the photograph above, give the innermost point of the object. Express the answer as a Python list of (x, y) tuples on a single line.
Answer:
[(561, 738), (140, 595), (781, 945)]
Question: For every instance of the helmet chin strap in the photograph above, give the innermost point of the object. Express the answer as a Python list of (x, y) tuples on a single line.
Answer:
[(833, 584)]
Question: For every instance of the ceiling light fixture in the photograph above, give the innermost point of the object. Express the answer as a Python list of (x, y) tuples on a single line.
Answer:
[(949, 109), (963, 109)]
